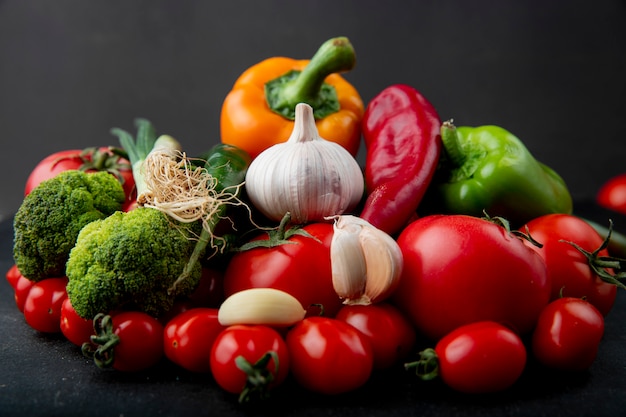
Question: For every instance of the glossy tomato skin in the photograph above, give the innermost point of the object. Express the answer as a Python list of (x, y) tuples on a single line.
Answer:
[(390, 333), (329, 356), (75, 328), (42, 308), (568, 269), (612, 194), (141, 341), (189, 337), (481, 357), (71, 159), (301, 269), (251, 342), (22, 287), (568, 334), (13, 275), (460, 269)]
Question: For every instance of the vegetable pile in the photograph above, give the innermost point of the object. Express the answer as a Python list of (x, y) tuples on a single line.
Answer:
[(453, 253)]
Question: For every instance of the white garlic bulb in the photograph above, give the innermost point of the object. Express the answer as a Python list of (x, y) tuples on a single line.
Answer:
[(366, 262), (307, 176)]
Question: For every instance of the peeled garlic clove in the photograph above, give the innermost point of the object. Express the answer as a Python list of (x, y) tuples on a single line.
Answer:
[(366, 262), (348, 264), (307, 176), (263, 306)]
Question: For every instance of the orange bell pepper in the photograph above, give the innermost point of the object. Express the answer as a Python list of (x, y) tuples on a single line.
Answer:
[(259, 110)]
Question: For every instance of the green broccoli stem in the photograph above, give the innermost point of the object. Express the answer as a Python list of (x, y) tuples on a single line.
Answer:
[(199, 249)]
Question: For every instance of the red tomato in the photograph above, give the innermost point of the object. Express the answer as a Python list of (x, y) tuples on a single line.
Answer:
[(329, 356), (253, 344), (96, 159), (390, 333), (22, 287), (568, 334), (189, 337), (568, 269), (301, 268), (75, 328), (460, 269), (42, 308), (140, 341), (480, 357), (612, 194), (13, 275)]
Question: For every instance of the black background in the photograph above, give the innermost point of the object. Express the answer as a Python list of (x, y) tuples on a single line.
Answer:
[(552, 72)]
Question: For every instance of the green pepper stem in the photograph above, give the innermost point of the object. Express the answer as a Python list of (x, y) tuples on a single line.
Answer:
[(335, 55), (307, 86), (452, 144)]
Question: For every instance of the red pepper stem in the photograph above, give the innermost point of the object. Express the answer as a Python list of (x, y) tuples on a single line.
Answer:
[(451, 144)]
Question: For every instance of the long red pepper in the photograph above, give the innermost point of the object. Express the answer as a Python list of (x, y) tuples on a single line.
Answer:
[(402, 136)]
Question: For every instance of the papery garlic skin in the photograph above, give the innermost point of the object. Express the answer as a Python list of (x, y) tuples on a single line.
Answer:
[(366, 262), (307, 176)]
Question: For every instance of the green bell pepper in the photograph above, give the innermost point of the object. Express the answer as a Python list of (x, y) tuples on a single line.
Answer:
[(488, 170)]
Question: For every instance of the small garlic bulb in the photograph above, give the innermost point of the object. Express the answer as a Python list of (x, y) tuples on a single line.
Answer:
[(366, 262), (308, 176)]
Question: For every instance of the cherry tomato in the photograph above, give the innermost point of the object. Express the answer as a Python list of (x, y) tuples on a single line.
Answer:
[(13, 275), (460, 269), (329, 356), (301, 268), (390, 333), (90, 160), (42, 308), (189, 338), (612, 194), (568, 334), (75, 328), (568, 269), (249, 360), (481, 357), (140, 341), (22, 287)]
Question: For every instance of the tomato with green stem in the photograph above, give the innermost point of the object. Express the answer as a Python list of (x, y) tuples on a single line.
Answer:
[(459, 269), (578, 263), (329, 356), (249, 360), (568, 334), (294, 260), (109, 159), (476, 358), (128, 341)]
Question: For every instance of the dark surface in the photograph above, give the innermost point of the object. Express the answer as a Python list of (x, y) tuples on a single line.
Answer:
[(42, 375), (552, 72)]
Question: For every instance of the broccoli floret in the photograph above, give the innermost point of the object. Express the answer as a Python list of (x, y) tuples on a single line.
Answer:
[(131, 260), (51, 216)]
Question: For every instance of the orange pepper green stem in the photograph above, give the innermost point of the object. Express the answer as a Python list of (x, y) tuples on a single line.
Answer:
[(258, 111)]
